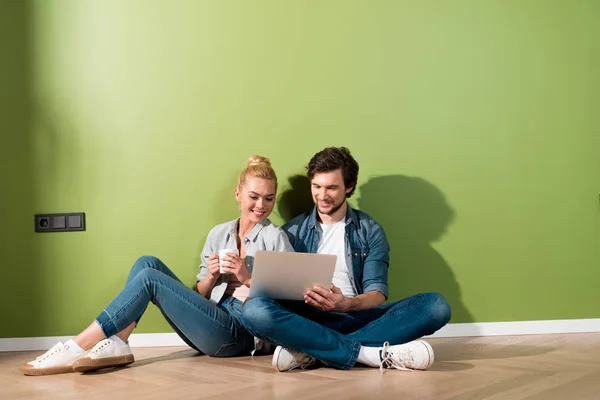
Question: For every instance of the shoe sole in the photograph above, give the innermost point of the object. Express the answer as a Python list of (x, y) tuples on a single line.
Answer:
[(87, 364), (275, 360), (29, 370), (429, 352)]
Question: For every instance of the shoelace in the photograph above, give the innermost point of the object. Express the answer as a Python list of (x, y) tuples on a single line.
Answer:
[(303, 364), (48, 354), (388, 361), (311, 361), (103, 345)]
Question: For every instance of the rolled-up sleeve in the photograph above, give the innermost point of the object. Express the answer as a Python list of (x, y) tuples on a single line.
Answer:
[(207, 251), (375, 272)]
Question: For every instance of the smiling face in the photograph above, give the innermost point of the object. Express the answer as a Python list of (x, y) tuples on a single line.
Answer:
[(329, 194), (256, 198)]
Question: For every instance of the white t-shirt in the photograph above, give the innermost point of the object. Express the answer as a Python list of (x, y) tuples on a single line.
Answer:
[(334, 242)]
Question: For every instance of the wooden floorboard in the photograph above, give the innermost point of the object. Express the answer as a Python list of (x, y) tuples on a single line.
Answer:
[(532, 367)]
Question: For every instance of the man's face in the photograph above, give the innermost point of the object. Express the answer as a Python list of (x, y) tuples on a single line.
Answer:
[(328, 191)]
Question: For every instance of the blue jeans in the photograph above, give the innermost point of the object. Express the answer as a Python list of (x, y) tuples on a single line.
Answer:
[(335, 338), (212, 329)]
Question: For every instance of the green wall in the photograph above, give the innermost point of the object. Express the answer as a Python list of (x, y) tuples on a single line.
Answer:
[(475, 125)]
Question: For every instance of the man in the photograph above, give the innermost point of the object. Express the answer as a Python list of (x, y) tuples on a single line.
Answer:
[(348, 322)]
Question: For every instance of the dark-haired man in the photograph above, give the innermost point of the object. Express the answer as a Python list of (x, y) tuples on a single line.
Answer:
[(348, 322)]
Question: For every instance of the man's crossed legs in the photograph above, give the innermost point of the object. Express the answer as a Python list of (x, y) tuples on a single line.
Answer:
[(343, 339)]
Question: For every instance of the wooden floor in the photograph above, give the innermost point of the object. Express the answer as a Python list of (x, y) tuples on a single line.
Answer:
[(543, 367)]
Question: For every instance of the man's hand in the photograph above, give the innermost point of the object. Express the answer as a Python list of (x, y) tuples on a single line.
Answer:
[(327, 300)]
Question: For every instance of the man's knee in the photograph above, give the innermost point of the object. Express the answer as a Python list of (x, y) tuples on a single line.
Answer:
[(438, 309), (256, 313)]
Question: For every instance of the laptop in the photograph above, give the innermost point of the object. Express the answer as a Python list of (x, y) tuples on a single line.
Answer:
[(285, 275)]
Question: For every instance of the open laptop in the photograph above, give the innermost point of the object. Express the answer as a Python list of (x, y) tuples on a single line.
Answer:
[(286, 275)]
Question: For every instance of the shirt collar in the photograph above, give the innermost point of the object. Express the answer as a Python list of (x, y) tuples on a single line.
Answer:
[(253, 233)]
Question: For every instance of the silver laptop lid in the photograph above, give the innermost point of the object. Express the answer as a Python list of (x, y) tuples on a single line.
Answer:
[(286, 275)]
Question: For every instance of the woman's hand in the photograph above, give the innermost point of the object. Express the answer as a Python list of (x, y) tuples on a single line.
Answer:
[(237, 267), (213, 266), (205, 286)]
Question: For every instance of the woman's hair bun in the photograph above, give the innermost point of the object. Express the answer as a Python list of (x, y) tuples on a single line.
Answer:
[(256, 160)]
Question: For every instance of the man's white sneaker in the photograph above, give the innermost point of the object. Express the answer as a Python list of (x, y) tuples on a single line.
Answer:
[(417, 354), (287, 360), (57, 360), (105, 354)]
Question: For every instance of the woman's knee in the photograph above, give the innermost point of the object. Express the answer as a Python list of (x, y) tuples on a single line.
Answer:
[(145, 262), (148, 261)]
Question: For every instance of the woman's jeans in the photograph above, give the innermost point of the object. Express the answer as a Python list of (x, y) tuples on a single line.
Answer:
[(212, 329)]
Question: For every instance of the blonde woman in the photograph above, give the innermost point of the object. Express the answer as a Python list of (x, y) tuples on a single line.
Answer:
[(208, 318)]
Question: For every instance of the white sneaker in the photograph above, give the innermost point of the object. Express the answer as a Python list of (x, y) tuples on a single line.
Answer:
[(57, 360), (287, 360), (417, 354), (105, 354)]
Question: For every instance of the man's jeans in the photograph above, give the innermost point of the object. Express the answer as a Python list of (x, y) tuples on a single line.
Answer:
[(335, 338), (212, 329)]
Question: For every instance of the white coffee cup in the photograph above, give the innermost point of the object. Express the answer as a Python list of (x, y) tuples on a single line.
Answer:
[(222, 263)]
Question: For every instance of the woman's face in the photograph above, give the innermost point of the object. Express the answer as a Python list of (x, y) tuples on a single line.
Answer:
[(256, 198)]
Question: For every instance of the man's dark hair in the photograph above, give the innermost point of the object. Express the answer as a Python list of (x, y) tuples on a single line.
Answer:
[(333, 158)]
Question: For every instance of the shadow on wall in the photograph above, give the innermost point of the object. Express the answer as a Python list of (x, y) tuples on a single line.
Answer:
[(297, 199), (18, 252), (414, 214)]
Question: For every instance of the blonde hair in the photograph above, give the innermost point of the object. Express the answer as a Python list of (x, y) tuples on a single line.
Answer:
[(258, 167)]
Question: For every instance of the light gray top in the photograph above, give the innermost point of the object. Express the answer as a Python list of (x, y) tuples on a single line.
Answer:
[(264, 236)]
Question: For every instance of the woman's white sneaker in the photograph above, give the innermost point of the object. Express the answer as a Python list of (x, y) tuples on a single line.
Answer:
[(57, 360), (417, 354), (105, 354)]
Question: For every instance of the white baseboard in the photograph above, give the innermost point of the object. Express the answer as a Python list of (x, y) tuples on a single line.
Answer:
[(519, 328), (135, 340), (450, 330)]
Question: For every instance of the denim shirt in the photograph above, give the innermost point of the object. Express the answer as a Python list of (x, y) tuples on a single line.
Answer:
[(367, 249), (264, 236)]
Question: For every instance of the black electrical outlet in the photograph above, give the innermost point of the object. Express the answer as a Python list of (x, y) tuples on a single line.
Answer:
[(60, 222)]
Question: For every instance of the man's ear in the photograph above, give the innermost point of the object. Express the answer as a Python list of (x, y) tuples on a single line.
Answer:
[(349, 189)]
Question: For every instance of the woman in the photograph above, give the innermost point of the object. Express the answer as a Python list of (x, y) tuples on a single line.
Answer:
[(208, 318)]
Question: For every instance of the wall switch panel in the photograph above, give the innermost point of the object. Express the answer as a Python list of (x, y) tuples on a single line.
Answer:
[(60, 222)]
